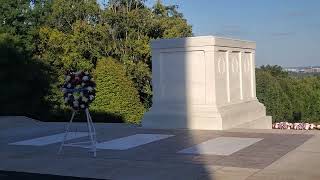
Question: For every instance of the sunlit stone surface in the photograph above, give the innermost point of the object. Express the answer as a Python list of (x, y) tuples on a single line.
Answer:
[(131, 141), (222, 146), (51, 139), (204, 83)]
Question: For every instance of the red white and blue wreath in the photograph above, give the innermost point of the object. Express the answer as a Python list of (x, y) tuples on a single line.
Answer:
[(79, 90), (295, 126)]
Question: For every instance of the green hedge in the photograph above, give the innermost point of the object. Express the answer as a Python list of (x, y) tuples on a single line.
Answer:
[(270, 93), (286, 97), (116, 94)]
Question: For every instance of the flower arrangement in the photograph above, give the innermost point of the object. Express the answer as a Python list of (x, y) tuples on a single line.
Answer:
[(296, 126), (79, 89)]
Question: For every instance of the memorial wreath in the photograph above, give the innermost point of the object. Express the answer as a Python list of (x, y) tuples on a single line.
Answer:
[(296, 126), (79, 89)]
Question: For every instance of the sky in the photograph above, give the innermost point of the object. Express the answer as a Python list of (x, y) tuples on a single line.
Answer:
[(287, 32)]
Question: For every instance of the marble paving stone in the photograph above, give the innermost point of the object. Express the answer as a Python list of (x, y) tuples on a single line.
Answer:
[(312, 145), (221, 146), (131, 141), (46, 140), (295, 165), (230, 173)]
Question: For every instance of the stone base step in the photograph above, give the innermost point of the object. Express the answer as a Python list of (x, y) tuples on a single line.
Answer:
[(261, 123)]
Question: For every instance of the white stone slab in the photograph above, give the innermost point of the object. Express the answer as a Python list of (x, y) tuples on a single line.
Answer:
[(131, 141), (46, 140), (221, 146)]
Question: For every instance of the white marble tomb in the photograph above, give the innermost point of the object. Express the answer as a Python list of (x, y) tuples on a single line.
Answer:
[(204, 82)]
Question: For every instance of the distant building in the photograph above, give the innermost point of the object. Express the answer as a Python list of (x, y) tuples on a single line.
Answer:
[(291, 70), (303, 69), (316, 70), (308, 70), (312, 70)]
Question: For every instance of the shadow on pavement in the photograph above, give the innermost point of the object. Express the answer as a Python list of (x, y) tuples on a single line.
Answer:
[(12, 175)]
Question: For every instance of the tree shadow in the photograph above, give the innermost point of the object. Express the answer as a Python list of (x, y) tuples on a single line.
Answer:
[(24, 80), (179, 90)]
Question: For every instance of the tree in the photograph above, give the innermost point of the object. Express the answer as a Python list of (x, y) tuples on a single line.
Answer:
[(270, 93), (291, 98), (24, 81), (116, 93), (275, 71), (68, 34), (66, 12), (132, 28), (79, 33), (23, 19)]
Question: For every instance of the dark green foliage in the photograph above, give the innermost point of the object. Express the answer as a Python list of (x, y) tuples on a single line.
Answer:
[(270, 93), (22, 18), (116, 93), (288, 98), (79, 32), (66, 12), (276, 71), (23, 79), (304, 94)]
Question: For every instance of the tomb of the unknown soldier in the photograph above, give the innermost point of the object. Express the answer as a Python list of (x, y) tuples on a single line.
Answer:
[(204, 82)]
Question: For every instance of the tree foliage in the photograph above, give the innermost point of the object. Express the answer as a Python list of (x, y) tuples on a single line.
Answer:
[(288, 97), (116, 93), (270, 93), (23, 79), (23, 18), (275, 71), (80, 33), (77, 34)]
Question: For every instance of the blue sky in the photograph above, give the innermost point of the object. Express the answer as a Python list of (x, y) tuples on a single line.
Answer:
[(287, 32)]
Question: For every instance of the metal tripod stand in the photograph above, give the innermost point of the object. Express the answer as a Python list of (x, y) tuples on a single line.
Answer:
[(91, 133)]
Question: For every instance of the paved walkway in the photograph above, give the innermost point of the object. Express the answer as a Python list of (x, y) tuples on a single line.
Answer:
[(128, 152)]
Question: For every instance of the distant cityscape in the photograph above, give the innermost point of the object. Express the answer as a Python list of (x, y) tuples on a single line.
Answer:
[(310, 69)]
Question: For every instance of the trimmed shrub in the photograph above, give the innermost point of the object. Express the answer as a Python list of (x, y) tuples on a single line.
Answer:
[(116, 93), (270, 93)]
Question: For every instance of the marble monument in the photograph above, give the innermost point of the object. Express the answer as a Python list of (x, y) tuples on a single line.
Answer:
[(204, 82)]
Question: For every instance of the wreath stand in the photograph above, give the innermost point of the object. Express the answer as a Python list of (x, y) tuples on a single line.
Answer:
[(84, 144)]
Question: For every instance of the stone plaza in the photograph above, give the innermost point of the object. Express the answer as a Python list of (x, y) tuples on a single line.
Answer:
[(205, 124), (160, 154)]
